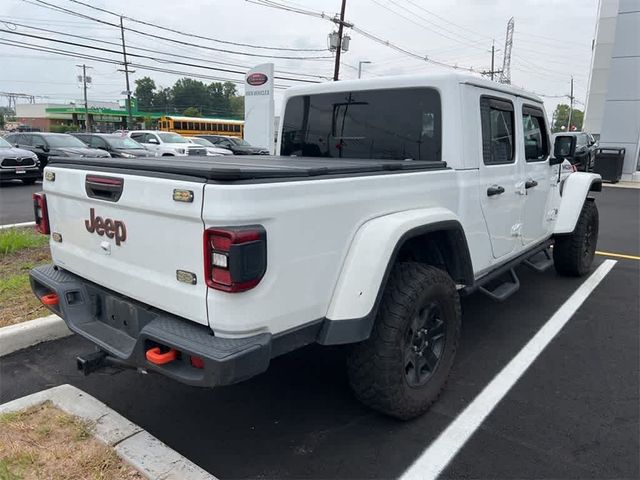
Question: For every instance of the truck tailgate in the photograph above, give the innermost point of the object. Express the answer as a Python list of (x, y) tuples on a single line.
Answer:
[(141, 242)]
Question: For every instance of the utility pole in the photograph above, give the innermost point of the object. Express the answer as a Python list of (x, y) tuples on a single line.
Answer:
[(85, 80), (126, 74), (336, 70), (571, 97), (493, 55)]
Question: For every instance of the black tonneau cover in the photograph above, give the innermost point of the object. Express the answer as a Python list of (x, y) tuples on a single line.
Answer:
[(249, 167)]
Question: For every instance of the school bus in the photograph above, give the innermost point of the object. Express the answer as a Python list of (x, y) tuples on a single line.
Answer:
[(190, 126)]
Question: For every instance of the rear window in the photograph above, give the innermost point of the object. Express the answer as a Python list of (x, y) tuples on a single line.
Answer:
[(393, 124)]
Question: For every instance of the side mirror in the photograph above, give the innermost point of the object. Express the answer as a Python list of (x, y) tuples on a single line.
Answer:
[(42, 147), (564, 147), (154, 141)]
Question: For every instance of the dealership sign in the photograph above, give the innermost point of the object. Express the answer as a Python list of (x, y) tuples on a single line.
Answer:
[(259, 108)]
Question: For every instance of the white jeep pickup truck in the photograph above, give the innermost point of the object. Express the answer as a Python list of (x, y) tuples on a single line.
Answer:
[(391, 199)]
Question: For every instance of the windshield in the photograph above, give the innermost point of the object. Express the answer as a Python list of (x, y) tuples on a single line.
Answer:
[(124, 142), (202, 141), (64, 141), (4, 143), (172, 138), (240, 141)]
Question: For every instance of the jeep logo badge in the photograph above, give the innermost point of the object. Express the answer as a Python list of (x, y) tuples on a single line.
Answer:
[(257, 79), (109, 227)]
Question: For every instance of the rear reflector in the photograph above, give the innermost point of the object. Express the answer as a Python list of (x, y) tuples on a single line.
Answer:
[(197, 362), (40, 212), (235, 257)]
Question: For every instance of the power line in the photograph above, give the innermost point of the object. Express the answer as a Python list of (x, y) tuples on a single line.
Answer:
[(143, 49), (94, 58), (160, 60), (194, 35), (371, 36), (42, 3), (472, 44)]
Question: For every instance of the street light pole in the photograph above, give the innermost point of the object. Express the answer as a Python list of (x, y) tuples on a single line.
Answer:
[(360, 66)]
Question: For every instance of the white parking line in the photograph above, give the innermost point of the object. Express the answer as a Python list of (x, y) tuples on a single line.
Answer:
[(438, 455)]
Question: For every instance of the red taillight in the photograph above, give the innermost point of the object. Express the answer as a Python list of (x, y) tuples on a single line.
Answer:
[(235, 257), (40, 212)]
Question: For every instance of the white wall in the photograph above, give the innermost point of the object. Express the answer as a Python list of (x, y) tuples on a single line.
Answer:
[(621, 116), (600, 64)]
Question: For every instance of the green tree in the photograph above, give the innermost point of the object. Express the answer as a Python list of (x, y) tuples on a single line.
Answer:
[(2, 122), (145, 89), (163, 101), (561, 117), (191, 112)]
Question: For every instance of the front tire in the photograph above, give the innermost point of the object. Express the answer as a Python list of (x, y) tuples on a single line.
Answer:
[(403, 366), (573, 254)]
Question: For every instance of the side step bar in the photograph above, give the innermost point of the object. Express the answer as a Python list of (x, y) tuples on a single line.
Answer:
[(540, 261), (505, 289)]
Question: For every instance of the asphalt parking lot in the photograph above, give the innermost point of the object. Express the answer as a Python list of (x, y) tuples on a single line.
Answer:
[(573, 414), (16, 205)]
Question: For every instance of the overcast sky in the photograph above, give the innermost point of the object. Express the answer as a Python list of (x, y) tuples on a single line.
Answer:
[(552, 41)]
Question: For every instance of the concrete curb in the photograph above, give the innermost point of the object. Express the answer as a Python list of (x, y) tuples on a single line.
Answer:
[(136, 446), (29, 333), (18, 225)]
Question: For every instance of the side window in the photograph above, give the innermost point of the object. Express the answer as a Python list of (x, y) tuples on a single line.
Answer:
[(37, 141), (536, 140), (23, 140), (152, 136), (498, 145), (97, 142), (138, 137)]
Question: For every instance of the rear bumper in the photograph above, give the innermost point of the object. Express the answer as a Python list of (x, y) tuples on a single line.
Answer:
[(126, 329)]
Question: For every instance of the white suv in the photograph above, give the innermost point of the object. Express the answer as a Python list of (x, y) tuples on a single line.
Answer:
[(165, 144)]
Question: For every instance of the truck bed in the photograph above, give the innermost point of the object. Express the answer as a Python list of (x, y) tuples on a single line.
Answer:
[(249, 167)]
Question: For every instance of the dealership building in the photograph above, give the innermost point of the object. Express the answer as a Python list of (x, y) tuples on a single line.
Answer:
[(56, 117), (613, 99)]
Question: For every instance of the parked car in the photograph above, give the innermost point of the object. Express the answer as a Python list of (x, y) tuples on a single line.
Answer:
[(166, 144), (206, 270), (46, 145), (585, 150), (117, 145), (237, 145), (212, 149), (18, 164)]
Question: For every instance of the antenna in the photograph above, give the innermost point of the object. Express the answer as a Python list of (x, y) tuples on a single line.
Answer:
[(505, 75)]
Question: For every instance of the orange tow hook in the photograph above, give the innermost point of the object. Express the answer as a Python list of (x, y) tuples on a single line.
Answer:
[(157, 357), (50, 299)]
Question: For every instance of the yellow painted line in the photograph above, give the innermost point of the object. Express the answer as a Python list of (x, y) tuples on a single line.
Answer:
[(618, 255)]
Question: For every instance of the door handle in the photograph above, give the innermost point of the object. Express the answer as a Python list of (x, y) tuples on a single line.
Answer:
[(494, 190), (530, 184)]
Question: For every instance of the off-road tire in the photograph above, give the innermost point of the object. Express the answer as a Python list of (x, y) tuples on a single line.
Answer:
[(573, 254), (377, 367)]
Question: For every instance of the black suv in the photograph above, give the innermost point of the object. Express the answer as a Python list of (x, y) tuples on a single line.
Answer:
[(46, 145), (237, 145), (116, 145), (585, 154)]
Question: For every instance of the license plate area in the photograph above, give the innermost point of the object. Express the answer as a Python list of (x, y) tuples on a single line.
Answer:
[(119, 313)]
